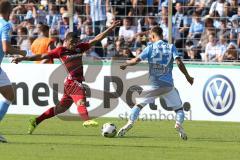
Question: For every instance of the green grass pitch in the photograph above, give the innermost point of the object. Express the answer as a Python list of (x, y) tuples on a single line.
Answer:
[(149, 140)]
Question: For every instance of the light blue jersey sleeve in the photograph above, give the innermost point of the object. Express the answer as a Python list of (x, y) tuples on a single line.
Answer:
[(145, 53), (175, 53), (6, 32), (191, 28)]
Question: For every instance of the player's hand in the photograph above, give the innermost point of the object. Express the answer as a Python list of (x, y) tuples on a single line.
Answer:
[(16, 60), (115, 24), (190, 79), (123, 67)]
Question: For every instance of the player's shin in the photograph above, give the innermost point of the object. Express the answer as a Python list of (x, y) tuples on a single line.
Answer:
[(180, 116), (134, 113), (4, 105), (82, 110), (47, 114), (179, 121)]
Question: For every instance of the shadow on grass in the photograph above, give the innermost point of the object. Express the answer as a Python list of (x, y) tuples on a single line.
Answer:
[(105, 145)]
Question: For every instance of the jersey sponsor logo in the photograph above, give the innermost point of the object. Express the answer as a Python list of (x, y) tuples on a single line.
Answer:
[(219, 95)]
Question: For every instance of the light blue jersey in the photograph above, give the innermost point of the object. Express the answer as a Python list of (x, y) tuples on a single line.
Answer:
[(160, 56), (5, 28)]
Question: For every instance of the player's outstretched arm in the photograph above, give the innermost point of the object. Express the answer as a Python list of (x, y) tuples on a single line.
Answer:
[(131, 62), (183, 69), (37, 57), (102, 35), (9, 49)]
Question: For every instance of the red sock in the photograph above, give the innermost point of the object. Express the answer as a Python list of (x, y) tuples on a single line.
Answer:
[(82, 110), (47, 114)]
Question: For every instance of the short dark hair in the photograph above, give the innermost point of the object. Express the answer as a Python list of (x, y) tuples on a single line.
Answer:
[(71, 36), (44, 28), (24, 30), (157, 30), (5, 7)]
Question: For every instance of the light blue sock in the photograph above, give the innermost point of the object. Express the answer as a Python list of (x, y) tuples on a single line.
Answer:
[(134, 113), (180, 116), (3, 108)]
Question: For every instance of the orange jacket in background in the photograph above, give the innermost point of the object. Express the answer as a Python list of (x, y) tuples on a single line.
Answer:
[(40, 46)]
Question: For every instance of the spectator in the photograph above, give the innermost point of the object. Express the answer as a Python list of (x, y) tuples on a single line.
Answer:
[(235, 29), (164, 26), (43, 44), (147, 23), (120, 8), (209, 29), (223, 47), (231, 53), (216, 19), (97, 11), (63, 26), (53, 16), (224, 30), (212, 50), (181, 21), (197, 27), (127, 31), (192, 51), (164, 11), (23, 40), (217, 6), (97, 50)]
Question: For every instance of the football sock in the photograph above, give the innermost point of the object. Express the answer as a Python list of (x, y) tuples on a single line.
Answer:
[(47, 114), (179, 116), (3, 108), (82, 110), (134, 113)]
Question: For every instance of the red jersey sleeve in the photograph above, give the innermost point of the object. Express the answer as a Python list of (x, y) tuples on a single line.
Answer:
[(82, 47), (55, 53)]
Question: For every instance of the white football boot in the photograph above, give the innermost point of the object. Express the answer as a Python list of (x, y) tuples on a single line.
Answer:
[(125, 129), (180, 131), (2, 139)]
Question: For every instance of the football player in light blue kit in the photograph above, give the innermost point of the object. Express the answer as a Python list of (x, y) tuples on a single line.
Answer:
[(160, 56), (5, 48)]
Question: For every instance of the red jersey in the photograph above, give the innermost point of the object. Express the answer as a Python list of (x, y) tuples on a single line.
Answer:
[(72, 60)]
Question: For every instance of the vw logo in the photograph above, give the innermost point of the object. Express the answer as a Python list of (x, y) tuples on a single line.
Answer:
[(219, 95)]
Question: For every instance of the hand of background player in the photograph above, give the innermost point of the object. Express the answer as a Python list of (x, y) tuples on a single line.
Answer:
[(16, 60), (190, 79)]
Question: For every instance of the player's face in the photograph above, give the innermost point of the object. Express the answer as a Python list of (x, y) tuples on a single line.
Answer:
[(70, 44)]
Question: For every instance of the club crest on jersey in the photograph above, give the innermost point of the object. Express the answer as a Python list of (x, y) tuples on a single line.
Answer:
[(219, 95)]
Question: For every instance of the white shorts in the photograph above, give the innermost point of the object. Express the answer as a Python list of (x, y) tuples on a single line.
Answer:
[(169, 98), (4, 80)]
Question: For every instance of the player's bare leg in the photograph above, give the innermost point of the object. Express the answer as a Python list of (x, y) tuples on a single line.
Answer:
[(83, 113), (79, 99), (51, 112), (8, 93)]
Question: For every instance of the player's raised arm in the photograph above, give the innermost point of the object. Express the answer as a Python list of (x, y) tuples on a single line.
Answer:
[(102, 35), (183, 69), (9, 49), (143, 56)]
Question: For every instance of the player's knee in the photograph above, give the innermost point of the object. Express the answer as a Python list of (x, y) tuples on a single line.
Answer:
[(180, 109), (81, 102)]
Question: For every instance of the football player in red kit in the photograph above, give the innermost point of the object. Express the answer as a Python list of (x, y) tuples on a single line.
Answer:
[(71, 56)]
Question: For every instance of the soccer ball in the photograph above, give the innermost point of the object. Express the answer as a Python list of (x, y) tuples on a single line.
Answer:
[(109, 130)]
